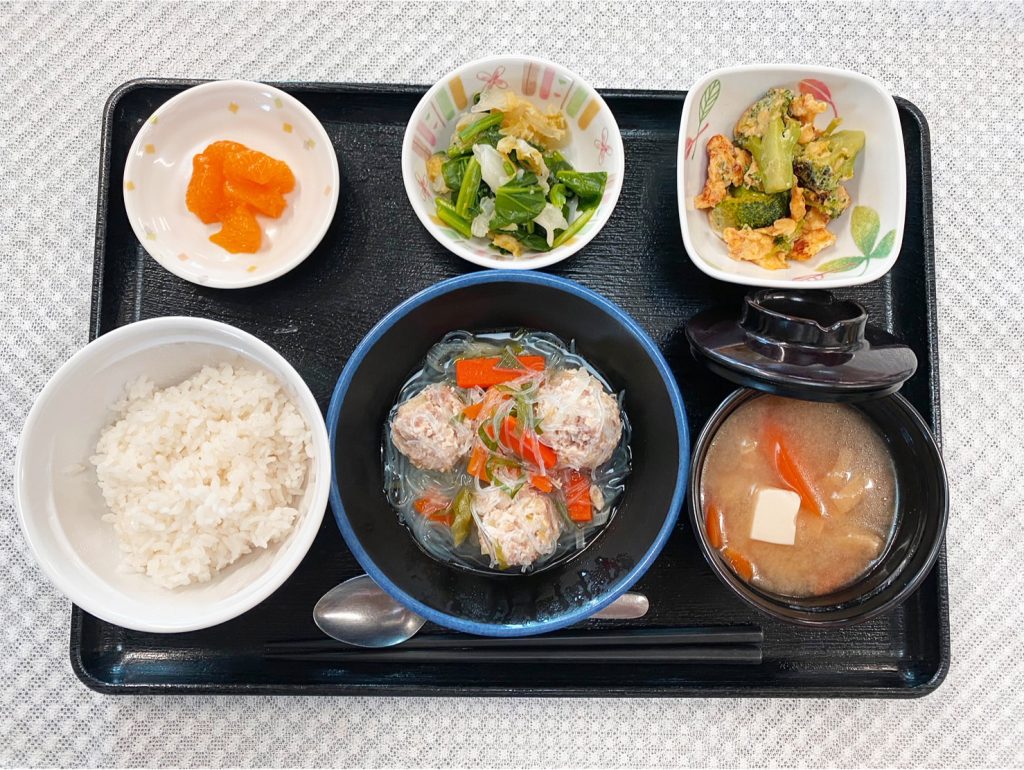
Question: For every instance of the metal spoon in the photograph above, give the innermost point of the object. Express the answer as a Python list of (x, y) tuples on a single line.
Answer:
[(359, 612)]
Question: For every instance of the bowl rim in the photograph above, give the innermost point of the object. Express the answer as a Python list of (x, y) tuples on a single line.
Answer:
[(617, 588), (731, 402), (305, 531), (545, 259), (313, 237), (892, 112)]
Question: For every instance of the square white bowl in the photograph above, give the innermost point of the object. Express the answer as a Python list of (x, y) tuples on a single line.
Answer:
[(878, 188)]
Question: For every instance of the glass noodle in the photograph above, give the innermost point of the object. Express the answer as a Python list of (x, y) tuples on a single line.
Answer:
[(404, 483)]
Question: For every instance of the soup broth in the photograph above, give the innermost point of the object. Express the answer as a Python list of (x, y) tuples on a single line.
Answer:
[(772, 451)]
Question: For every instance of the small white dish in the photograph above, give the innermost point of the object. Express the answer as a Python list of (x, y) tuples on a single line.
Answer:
[(595, 145), (159, 167), (878, 189), (58, 500)]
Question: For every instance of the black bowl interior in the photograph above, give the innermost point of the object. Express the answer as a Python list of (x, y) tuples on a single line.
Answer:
[(550, 594), (921, 511)]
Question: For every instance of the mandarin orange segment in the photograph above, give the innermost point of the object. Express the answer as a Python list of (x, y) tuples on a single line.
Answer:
[(205, 194), (257, 167), (265, 200), (230, 184), (220, 150), (240, 233)]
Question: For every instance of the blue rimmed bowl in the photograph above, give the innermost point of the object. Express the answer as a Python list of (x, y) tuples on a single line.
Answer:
[(573, 590)]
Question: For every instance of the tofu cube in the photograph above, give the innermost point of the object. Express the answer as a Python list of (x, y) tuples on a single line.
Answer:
[(775, 513)]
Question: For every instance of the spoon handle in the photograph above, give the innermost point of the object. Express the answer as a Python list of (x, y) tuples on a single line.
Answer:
[(629, 606)]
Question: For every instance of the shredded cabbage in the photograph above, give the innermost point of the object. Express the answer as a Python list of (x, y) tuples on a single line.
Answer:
[(528, 155), (481, 222), (492, 166), (551, 219)]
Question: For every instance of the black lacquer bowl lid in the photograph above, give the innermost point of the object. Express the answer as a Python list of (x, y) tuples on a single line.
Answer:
[(801, 344)]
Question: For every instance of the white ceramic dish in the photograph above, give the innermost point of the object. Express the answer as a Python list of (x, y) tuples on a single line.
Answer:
[(595, 145), (159, 168), (59, 504), (864, 251)]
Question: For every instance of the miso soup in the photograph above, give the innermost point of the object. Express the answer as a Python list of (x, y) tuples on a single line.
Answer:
[(798, 496)]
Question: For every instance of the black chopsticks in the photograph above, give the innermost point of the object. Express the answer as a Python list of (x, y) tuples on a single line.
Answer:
[(723, 644)]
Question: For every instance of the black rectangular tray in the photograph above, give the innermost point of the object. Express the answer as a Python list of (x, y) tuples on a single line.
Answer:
[(375, 255)]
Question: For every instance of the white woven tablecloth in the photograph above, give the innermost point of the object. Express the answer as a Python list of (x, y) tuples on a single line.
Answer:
[(961, 64)]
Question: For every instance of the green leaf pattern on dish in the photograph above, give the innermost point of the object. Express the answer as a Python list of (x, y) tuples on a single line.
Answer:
[(841, 265), (708, 99), (864, 227)]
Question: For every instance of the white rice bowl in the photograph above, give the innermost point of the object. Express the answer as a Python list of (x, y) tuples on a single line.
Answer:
[(199, 474), (61, 506)]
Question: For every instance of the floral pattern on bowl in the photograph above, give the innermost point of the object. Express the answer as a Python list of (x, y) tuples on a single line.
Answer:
[(595, 144), (878, 189)]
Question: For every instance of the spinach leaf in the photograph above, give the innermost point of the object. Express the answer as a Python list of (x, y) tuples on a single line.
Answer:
[(453, 170), (556, 162), (532, 241), (516, 203), (588, 186)]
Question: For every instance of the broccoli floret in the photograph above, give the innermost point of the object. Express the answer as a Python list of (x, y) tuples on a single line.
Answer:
[(826, 163), (774, 153), (754, 122), (831, 204), (749, 208)]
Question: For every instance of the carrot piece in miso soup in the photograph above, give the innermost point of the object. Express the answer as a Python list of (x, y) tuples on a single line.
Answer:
[(230, 184), (713, 526), (790, 470), (740, 564)]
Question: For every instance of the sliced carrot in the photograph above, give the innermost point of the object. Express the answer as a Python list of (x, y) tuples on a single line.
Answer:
[(527, 446), (434, 507), (473, 410), (577, 497), (478, 463), (740, 564), (484, 372), (541, 483), (790, 470), (713, 526)]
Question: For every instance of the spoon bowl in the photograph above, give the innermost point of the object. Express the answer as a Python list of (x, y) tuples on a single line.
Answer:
[(358, 612)]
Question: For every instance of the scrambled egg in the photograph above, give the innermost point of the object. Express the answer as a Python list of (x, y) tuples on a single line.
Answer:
[(797, 206), (806, 108), (726, 166)]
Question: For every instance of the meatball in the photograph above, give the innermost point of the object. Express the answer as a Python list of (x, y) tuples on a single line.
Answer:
[(521, 529), (580, 420), (428, 431)]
